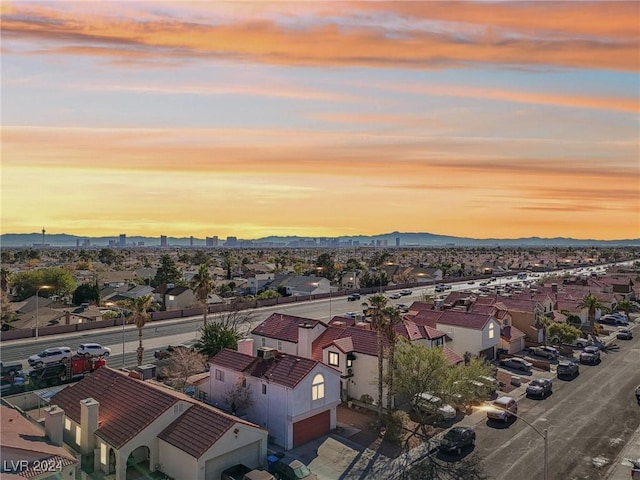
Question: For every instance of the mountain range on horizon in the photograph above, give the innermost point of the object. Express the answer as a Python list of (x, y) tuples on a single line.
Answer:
[(393, 239)]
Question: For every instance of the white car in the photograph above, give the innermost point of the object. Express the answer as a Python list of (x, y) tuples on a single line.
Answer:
[(50, 355), (93, 350), (428, 403)]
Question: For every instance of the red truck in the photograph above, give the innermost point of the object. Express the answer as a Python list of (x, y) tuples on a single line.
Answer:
[(64, 372)]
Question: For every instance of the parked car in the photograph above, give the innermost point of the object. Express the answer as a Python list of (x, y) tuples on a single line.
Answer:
[(440, 288), (581, 342), (517, 363), (349, 314), (294, 470), (539, 387), (93, 350), (503, 408), (405, 292), (11, 385), (10, 368), (353, 297), (638, 394), (50, 355), (544, 351), (568, 368), (456, 439), (624, 334), (395, 296), (590, 354), (428, 403), (165, 353)]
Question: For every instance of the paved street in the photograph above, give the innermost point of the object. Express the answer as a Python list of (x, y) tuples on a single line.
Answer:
[(589, 420)]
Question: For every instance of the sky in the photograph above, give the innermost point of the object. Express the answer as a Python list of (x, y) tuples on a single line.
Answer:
[(321, 118)]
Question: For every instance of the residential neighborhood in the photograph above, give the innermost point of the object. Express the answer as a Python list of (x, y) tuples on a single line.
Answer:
[(289, 379)]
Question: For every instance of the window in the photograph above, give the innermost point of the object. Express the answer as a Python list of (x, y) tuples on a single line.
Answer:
[(317, 387), (438, 342), (492, 330), (264, 389), (171, 298), (349, 363), (78, 437), (67, 424), (334, 359), (103, 453), (264, 341), (219, 375)]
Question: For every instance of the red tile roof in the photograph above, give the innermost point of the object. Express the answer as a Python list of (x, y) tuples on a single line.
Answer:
[(455, 318), (452, 357), (127, 405), (283, 327), (345, 344), (197, 429), (285, 370), (511, 333)]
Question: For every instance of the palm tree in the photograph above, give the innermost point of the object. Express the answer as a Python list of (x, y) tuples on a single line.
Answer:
[(378, 303), (202, 285), (592, 304), (140, 307), (392, 320), (625, 305)]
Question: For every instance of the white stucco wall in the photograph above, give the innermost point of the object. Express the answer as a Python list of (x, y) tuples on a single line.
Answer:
[(284, 347), (176, 463)]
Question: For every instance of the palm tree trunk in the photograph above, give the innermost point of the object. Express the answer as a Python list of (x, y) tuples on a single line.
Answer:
[(390, 367), (140, 348), (205, 310), (380, 375)]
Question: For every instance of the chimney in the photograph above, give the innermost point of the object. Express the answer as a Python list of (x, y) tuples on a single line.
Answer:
[(305, 339), (54, 424), (554, 288), (88, 424), (246, 346)]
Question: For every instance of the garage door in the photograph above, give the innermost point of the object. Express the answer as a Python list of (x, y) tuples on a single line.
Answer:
[(310, 428), (249, 455)]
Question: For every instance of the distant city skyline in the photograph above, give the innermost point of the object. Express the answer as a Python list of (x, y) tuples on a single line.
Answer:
[(321, 119)]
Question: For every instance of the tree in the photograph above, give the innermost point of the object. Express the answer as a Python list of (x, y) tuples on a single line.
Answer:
[(5, 279), (167, 273), (182, 364), (202, 285), (86, 293), (228, 261), (563, 333), (592, 304), (239, 397), (419, 369), (216, 336), (377, 304), (392, 320), (626, 306), (431, 467), (140, 307), (267, 294), (27, 283), (326, 266), (108, 256)]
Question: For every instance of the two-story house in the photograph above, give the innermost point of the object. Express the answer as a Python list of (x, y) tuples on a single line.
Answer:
[(122, 425), (294, 398)]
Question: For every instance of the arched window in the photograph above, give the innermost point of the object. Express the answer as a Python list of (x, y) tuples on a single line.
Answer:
[(492, 330), (317, 387)]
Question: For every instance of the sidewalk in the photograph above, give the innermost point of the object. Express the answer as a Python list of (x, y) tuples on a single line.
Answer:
[(621, 468)]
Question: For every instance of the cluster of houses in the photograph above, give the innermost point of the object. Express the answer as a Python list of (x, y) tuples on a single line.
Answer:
[(282, 385)]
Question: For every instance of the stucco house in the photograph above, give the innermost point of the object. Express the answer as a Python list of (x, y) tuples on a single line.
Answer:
[(176, 298), (119, 423), (294, 398), (25, 446)]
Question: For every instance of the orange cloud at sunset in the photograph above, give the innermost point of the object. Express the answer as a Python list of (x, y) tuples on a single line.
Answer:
[(324, 45)]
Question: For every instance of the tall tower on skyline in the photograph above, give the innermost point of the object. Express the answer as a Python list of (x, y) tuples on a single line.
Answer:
[(163, 240), (43, 230)]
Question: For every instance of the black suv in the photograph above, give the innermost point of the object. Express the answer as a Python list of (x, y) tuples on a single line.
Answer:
[(353, 297), (568, 369), (539, 387), (456, 439)]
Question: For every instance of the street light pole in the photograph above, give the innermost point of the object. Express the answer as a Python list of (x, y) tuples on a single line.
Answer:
[(544, 434), (122, 319)]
